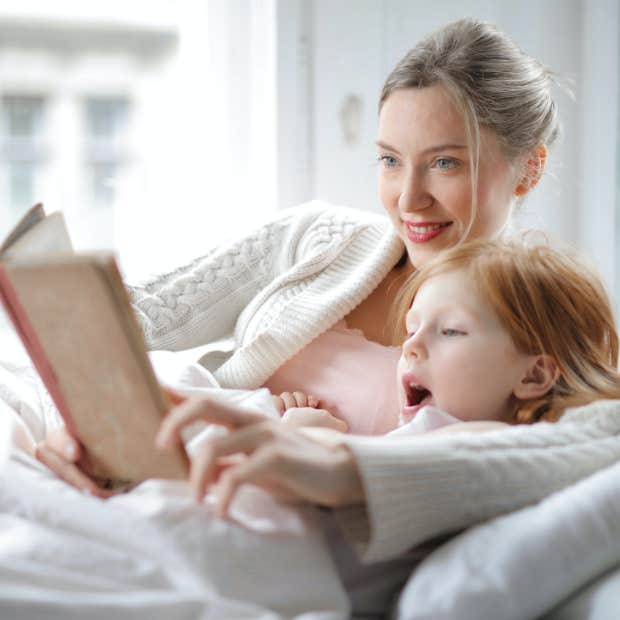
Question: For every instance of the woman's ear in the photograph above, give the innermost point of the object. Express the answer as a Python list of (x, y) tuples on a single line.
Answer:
[(534, 169), (540, 376)]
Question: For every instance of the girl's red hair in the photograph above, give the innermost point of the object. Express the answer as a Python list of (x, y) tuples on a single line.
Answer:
[(550, 304)]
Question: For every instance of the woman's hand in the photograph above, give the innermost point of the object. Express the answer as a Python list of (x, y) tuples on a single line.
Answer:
[(284, 461), (63, 454)]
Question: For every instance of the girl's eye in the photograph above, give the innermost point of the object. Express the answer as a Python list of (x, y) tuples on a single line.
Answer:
[(446, 163), (452, 332), (388, 161)]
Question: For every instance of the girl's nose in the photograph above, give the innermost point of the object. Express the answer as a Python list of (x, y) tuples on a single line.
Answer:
[(414, 346)]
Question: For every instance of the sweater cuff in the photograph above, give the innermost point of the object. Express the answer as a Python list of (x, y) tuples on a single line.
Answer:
[(405, 505)]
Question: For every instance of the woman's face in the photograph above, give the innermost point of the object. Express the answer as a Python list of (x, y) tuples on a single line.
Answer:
[(424, 174)]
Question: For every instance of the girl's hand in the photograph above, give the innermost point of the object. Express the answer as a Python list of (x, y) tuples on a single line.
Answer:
[(299, 410), (281, 460), (292, 400), (63, 454), (299, 417)]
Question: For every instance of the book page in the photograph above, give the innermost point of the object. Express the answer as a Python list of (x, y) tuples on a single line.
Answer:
[(36, 234)]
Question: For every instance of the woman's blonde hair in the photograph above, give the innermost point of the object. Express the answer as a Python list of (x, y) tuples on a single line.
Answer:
[(493, 84), (549, 303)]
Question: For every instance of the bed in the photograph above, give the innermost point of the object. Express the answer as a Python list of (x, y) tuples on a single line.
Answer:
[(153, 553)]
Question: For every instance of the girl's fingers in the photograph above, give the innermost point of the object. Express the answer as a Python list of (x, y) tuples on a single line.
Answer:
[(301, 399), (279, 404), (207, 409), (288, 399)]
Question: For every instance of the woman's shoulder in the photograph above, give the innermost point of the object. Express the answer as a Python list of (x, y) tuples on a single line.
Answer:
[(326, 213)]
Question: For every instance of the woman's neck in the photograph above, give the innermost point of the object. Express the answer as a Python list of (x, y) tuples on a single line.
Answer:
[(373, 314)]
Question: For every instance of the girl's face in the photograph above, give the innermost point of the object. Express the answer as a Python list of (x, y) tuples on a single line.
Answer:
[(424, 174), (457, 356)]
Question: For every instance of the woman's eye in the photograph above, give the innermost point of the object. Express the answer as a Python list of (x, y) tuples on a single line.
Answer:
[(388, 161), (446, 163)]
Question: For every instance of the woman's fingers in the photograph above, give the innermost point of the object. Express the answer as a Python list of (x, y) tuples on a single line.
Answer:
[(65, 444), (204, 469), (259, 469), (174, 397), (280, 460), (68, 472), (207, 409)]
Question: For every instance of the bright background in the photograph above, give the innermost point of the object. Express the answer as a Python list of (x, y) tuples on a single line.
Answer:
[(161, 128)]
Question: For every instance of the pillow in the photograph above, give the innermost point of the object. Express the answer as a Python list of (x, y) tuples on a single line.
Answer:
[(522, 564)]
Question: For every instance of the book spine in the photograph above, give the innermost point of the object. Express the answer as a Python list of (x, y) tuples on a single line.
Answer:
[(19, 317)]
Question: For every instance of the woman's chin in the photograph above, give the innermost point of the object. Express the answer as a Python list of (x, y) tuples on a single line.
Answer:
[(420, 254)]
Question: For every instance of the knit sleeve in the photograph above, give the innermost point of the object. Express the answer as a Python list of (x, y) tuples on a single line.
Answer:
[(201, 301), (421, 487)]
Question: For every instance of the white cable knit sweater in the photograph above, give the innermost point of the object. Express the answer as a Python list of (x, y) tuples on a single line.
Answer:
[(273, 291), (277, 289)]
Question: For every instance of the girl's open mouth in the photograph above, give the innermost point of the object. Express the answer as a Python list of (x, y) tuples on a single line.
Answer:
[(417, 397)]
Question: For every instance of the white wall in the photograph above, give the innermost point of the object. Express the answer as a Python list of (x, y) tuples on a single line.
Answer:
[(598, 172)]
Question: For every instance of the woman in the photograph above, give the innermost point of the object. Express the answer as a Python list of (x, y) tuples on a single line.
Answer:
[(465, 122)]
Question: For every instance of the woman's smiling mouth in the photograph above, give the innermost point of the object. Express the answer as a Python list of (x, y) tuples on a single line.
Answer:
[(421, 232)]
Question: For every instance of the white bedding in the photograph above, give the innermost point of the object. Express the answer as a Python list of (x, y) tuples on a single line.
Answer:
[(151, 553)]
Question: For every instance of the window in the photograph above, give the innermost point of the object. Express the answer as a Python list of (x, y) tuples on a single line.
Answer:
[(23, 148), (105, 134)]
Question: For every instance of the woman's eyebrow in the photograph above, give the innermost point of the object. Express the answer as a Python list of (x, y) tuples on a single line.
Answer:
[(387, 147), (448, 146)]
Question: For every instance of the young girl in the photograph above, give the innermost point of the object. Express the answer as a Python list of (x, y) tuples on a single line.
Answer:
[(505, 332)]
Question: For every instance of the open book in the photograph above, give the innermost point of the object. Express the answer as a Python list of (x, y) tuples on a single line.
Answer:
[(73, 315)]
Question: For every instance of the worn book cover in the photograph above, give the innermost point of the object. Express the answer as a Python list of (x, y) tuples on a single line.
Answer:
[(73, 315)]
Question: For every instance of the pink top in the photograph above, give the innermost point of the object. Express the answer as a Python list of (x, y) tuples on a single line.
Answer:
[(354, 378)]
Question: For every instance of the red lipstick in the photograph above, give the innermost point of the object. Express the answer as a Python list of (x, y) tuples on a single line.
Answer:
[(422, 232)]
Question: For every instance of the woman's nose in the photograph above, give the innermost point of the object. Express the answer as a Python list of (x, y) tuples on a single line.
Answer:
[(414, 195)]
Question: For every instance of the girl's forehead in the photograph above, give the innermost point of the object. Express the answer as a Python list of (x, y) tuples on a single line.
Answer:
[(453, 291)]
